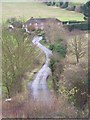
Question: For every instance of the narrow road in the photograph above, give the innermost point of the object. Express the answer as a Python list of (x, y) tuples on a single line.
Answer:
[(38, 87)]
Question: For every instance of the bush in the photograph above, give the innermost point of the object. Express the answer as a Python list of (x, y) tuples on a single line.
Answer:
[(71, 22), (70, 27), (53, 3), (86, 10), (49, 3), (39, 32), (76, 77), (31, 28), (57, 4), (84, 26), (71, 8), (64, 5), (59, 49), (17, 24), (11, 20), (79, 9), (80, 26), (61, 3), (52, 62)]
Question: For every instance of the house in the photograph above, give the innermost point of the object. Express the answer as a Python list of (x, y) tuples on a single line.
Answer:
[(38, 23)]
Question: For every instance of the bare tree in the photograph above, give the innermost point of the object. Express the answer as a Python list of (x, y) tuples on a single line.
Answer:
[(55, 32), (77, 47), (18, 56)]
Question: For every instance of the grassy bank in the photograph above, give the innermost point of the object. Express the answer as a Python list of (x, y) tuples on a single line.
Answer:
[(33, 9)]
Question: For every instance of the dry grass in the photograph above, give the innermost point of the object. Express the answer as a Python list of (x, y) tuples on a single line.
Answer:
[(12, 108), (54, 108)]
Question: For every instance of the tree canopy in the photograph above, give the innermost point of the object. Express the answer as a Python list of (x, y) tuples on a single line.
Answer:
[(86, 11)]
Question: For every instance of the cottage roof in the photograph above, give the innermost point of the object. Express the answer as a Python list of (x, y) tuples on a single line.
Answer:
[(39, 20)]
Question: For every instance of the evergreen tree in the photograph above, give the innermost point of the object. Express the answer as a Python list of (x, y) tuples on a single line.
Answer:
[(86, 11)]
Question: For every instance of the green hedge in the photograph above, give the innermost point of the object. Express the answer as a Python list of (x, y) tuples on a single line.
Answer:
[(71, 22), (59, 49), (80, 26), (49, 3)]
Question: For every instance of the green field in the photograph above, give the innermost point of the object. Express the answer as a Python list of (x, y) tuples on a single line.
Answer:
[(77, 1), (33, 9)]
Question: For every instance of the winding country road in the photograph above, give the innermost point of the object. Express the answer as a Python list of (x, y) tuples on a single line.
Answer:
[(38, 87)]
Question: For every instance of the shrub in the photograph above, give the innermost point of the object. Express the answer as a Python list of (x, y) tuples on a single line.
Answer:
[(86, 10), (40, 32), (49, 3), (57, 4), (53, 3), (56, 65), (76, 77), (17, 24), (64, 5), (61, 3), (71, 8), (31, 28), (59, 49), (80, 26), (71, 22), (70, 27), (11, 20), (79, 9)]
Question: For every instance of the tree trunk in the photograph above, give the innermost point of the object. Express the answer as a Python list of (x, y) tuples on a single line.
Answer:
[(9, 96), (77, 58)]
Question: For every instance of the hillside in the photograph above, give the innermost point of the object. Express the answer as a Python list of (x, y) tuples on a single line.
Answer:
[(44, 64), (33, 9)]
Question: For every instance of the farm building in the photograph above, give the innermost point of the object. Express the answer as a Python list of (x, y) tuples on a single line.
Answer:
[(38, 23)]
